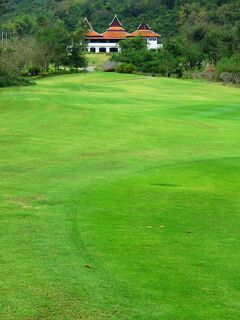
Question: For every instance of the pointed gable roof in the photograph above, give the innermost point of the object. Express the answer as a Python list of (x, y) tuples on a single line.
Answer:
[(87, 23), (145, 31), (144, 26), (91, 33), (116, 23), (115, 30)]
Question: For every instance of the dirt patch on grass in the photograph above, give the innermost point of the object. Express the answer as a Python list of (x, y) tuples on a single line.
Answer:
[(26, 203), (165, 184)]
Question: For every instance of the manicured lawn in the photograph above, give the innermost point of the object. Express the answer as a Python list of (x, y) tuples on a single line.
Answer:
[(120, 199), (97, 60)]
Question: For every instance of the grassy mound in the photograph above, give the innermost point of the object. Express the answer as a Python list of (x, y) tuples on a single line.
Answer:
[(97, 60)]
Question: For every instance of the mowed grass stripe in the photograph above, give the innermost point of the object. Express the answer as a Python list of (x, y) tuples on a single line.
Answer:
[(119, 199)]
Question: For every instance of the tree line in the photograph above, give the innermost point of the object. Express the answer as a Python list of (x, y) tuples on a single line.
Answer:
[(197, 35), (24, 54)]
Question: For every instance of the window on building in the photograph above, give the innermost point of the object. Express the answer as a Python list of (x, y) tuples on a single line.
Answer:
[(113, 49)]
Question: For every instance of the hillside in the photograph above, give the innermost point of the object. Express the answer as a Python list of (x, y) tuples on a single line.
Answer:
[(165, 16), (196, 35)]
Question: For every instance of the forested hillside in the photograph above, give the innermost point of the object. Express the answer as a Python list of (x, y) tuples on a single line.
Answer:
[(194, 33), (165, 16)]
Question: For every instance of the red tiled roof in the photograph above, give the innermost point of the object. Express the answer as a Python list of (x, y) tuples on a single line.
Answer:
[(92, 33), (144, 33), (115, 30), (115, 34)]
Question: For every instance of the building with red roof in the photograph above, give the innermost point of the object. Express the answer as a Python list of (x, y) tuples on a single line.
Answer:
[(108, 41)]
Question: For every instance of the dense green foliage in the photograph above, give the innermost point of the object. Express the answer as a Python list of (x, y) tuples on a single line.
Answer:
[(165, 16), (119, 199), (195, 34), (174, 59), (177, 58), (50, 47), (231, 64), (7, 80)]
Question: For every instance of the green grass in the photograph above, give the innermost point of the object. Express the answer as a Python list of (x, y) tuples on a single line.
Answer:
[(97, 60), (119, 199)]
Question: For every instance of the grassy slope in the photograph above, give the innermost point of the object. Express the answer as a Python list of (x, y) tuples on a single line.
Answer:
[(138, 178), (97, 60)]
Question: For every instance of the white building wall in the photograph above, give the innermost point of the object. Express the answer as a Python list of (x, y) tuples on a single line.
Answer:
[(98, 45), (152, 43)]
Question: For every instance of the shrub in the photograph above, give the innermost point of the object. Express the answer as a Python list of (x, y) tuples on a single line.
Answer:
[(110, 66), (229, 64), (34, 71), (8, 80), (228, 69), (126, 68), (150, 67), (3, 82), (229, 77)]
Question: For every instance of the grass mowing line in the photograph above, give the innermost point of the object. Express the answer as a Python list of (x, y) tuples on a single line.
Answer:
[(114, 204)]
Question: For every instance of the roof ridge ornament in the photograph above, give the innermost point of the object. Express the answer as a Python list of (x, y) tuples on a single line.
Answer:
[(88, 23), (143, 26), (115, 22)]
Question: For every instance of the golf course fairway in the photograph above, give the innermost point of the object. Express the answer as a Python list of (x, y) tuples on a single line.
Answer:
[(120, 199)]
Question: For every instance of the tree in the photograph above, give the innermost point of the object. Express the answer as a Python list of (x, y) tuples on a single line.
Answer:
[(53, 41), (16, 56), (21, 26), (2, 6), (133, 51), (76, 51)]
